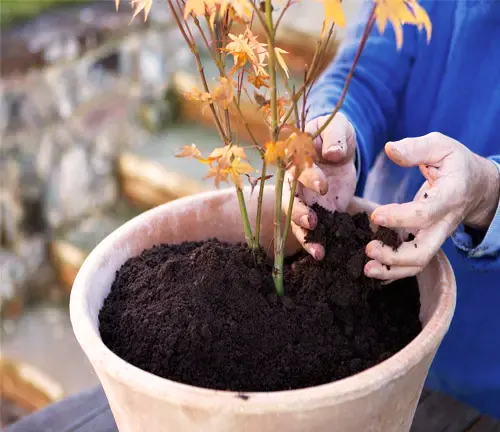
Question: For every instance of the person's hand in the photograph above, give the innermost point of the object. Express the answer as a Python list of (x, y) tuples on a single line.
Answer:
[(330, 182), (460, 187)]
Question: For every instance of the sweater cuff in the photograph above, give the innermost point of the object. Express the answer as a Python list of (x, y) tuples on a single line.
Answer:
[(490, 242)]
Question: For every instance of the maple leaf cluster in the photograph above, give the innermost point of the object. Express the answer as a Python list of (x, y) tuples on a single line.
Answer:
[(296, 151), (262, 65), (228, 163), (397, 12)]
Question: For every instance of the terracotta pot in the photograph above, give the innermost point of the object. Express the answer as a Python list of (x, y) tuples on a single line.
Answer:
[(382, 398)]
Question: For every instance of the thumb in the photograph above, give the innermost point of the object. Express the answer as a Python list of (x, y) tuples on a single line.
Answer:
[(338, 140), (429, 149)]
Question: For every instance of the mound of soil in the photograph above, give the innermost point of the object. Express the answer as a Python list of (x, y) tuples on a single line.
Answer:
[(206, 314)]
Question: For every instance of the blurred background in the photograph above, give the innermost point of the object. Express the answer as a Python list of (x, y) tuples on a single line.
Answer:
[(90, 114)]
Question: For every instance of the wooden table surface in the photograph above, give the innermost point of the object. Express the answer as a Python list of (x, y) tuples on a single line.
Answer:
[(89, 412)]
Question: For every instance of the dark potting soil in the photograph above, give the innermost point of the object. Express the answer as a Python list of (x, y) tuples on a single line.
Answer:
[(206, 314)]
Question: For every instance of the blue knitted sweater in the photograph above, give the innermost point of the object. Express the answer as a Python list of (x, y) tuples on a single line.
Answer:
[(452, 86)]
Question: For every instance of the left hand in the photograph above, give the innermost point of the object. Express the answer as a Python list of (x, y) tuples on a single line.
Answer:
[(460, 187)]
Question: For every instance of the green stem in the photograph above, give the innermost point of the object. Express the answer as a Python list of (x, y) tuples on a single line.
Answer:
[(259, 202), (245, 220), (279, 253), (280, 171), (272, 70), (289, 212)]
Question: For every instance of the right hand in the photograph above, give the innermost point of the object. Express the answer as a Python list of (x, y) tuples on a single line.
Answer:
[(330, 182)]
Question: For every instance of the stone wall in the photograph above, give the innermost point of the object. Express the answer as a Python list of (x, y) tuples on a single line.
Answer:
[(78, 86)]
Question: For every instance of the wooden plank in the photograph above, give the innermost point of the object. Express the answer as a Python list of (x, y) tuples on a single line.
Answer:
[(89, 412), (439, 413), (485, 424), (424, 395), (84, 412)]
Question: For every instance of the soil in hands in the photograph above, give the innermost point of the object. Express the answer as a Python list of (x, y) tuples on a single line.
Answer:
[(206, 314)]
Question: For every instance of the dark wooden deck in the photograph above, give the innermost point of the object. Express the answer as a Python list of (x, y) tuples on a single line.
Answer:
[(439, 413), (89, 412)]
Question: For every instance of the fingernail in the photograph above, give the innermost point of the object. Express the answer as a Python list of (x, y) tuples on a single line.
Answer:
[(304, 221), (315, 253), (374, 272), (332, 151), (371, 251), (317, 186), (379, 220)]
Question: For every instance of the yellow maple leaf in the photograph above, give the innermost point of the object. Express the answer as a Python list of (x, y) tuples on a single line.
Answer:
[(400, 12), (274, 151), (334, 12), (422, 19), (237, 169), (281, 61), (228, 153), (223, 93)]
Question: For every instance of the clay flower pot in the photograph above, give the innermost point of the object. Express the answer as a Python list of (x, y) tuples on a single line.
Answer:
[(382, 398)]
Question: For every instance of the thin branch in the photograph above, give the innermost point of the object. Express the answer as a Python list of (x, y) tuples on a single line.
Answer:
[(261, 19), (272, 71), (247, 126), (282, 14), (306, 83), (194, 50), (368, 29)]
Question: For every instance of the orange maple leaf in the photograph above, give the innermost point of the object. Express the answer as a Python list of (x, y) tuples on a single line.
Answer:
[(258, 81), (192, 151), (281, 105), (245, 48), (224, 171)]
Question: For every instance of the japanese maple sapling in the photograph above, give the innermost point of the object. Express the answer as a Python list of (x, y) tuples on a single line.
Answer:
[(242, 60)]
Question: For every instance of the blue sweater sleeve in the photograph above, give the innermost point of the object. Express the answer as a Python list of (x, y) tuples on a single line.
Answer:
[(378, 83), (487, 247)]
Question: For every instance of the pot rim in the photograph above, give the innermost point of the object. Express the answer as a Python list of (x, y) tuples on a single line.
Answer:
[(354, 386)]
